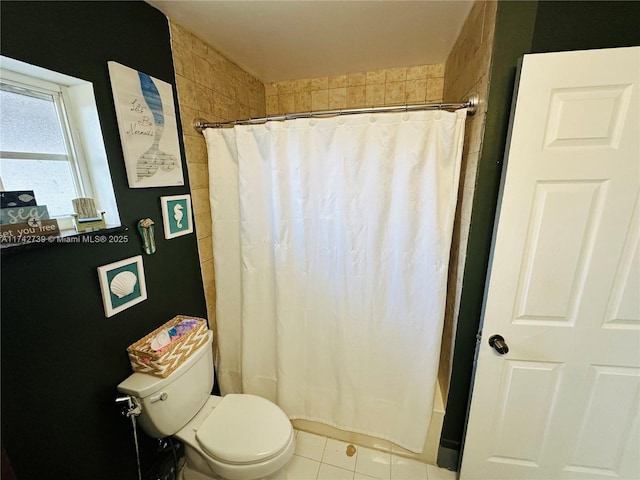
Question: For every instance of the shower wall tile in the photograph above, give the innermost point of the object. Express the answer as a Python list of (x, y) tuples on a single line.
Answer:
[(302, 101), (286, 102), (200, 69), (436, 70), (210, 297), (203, 221), (356, 96), (467, 71), (200, 200), (286, 87), (320, 83), (272, 105), (183, 64), (466, 202), (207, 266), (469, 169), (393, 86), (337, 98), (319, 101), (395, 93), (198, 175), (187, 114), (223, 106), (198, 148), (337, 81), (435, 89), (374, 95), (396, 75), (376, 77), (212, 87), (356, 79), (186, 91), (271, 89), (206, 251), (416, 90), (303, 86), (419, 72)]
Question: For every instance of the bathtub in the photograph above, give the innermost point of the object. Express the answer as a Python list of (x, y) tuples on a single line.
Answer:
[(428, 455)]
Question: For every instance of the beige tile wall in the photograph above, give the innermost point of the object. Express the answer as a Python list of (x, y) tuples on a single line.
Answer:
[(467, 71), (394, 86), (211, 87)]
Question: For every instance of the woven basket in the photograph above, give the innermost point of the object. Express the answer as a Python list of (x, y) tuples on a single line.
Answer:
[(160, 364)]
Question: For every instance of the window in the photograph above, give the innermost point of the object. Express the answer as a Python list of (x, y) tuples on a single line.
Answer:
[(36, 148), (51, 141)]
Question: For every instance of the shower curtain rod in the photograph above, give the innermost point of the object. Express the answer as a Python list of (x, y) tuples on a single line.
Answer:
[(471, 105)]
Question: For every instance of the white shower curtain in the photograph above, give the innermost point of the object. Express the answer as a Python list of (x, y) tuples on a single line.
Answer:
[(331, 246)]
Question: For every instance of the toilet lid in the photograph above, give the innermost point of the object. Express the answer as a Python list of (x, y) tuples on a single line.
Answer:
[(244, 429)]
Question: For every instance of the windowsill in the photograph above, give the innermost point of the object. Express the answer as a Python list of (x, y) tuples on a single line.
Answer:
[(111, 234)]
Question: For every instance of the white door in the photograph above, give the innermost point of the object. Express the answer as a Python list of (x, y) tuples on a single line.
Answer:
[(564, 284)]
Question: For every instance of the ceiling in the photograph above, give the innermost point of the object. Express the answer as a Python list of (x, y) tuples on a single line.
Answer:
[(279, 40)]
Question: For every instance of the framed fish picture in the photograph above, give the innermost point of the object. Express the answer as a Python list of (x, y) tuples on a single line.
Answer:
[(148, 128), (176, 215)]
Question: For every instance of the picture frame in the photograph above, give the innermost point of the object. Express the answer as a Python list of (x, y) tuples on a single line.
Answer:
[(177, 215), (148, 128), (122, 284)]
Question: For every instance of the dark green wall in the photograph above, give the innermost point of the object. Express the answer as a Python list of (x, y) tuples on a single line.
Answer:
[(513, 32), (61, 358), (574, 25), (521, 28)]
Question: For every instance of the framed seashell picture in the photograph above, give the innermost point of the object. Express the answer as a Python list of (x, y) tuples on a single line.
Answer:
[(122, 284)]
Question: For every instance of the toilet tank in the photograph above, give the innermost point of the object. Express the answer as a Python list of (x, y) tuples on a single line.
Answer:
[(169, 403)]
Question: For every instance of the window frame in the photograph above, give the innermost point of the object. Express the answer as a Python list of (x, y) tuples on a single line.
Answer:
[(86, 128), (36, 87)]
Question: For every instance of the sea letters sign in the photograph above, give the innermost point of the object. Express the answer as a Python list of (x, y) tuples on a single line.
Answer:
[(29, 231), (23, 214)]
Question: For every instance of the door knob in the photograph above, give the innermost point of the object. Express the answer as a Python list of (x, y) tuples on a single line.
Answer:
[(498, 344)]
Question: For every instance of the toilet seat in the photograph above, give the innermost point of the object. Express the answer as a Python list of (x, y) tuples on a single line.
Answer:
[(244, 429)]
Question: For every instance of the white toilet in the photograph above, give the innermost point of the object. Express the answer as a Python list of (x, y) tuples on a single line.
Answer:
[(236, 437)]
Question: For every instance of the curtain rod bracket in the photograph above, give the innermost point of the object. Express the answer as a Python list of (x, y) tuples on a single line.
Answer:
[(472, 103), (199, 124)]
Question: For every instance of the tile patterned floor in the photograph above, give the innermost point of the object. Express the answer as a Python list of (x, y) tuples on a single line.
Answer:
[(321, 458)]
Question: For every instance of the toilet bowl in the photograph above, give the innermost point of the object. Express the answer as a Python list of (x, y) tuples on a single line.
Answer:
[(235, 437)]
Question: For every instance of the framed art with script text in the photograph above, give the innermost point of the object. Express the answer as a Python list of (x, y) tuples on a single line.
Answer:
[(148, 128)]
